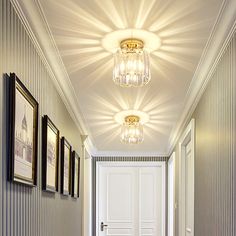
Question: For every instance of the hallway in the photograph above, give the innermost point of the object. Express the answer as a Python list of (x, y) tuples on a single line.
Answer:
[(118, 118)]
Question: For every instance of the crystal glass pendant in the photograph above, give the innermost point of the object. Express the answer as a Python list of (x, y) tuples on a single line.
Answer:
[(131, 64), (132, 130)]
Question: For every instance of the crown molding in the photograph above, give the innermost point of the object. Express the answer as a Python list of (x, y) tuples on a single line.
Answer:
[(90, 148), (220, 36)]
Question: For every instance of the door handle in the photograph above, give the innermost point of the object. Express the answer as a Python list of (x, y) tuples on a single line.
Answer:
[(102, 226), (188, 230)]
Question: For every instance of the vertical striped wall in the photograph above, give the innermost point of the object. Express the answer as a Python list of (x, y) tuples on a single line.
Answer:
[(215, 156), (29, 211), (95, 159)]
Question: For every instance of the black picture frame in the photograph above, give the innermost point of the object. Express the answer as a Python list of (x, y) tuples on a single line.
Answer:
[(65, 166), (50, 164), (75, 183), (22, 135)]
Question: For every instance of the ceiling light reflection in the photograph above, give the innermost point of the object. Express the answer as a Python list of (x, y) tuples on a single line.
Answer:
[(87, 61), (80, 30), (176, 60), (111, 11), (172, 14), (104, 123)]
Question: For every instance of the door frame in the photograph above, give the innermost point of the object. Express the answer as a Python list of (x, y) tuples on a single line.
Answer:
[(187, 136), (133, 164), (171, 160)]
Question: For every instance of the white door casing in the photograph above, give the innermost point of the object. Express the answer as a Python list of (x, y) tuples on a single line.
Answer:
[(130, 198), (186, 181), (87, 194), (171, 195)]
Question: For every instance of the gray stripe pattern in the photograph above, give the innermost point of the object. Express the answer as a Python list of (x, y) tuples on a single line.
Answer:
[(215, 164), (26, 211), (114, 158), (215, 156)]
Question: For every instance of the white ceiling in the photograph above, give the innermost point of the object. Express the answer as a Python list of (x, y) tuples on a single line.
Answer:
[(79, 26)]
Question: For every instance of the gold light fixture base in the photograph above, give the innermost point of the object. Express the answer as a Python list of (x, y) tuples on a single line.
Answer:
[(131, 44), (132, 119), (120, 116)]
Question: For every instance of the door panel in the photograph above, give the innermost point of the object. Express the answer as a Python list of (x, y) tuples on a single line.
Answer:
[(117, 201), (130, 200), (151, 201), (186, 181), (188, 190)]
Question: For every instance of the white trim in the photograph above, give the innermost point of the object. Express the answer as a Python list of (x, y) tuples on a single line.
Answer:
[(172, 160), (34, 21), (91, 149), (161, 164), (133, 164), (187, 136), (87, 195)]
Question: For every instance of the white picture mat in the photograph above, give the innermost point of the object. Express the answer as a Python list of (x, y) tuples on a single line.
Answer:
[(51, 164), (23, 136), (66, 168), (76, 176)]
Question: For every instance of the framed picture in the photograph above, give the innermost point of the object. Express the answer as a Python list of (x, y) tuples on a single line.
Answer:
[(65, 166), (50, 155), (75, 175), (22, 130)]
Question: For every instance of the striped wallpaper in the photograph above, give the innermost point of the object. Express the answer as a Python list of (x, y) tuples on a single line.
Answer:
[(28, 211), (215, 152), (97, 158)]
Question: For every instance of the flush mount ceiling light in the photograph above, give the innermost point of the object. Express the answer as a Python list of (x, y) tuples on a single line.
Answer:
[(131, 64), (132, 130), (131, 122)]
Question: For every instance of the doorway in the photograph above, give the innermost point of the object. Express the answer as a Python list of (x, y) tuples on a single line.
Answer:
[(130, 198), (186, 197)]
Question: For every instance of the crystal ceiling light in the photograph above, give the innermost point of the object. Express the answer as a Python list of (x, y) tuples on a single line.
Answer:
[(131, 64), (132, 130)]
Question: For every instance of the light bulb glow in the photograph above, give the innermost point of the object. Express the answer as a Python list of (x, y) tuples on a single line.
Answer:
[(132, 130), (131, 64)]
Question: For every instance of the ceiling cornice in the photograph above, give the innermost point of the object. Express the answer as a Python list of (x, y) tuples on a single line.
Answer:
[(90, 148), (32, 17), (221, 34)]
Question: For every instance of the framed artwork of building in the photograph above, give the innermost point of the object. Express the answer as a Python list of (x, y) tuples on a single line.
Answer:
[(65, 167), (22, 130), (75, 175), (50, 155)]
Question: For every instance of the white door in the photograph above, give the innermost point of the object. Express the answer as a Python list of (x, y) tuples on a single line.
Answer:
[(130, 199), (188, 190), (186, 197)]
